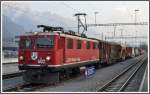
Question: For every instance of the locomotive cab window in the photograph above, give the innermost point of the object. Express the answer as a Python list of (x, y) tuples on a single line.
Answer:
[(69, 43), (44, 43), (25, 43), (88, 45), (78, 44)]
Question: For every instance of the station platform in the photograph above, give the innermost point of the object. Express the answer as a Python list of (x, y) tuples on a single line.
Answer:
[(144, 82), (10, 68), (9, 60)]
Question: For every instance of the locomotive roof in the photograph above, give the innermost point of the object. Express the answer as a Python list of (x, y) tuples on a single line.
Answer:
[(69, 36), (61, 34)]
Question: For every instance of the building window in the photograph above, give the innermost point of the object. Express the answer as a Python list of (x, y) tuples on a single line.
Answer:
[(88, 44), (78, 44), (69, 43)]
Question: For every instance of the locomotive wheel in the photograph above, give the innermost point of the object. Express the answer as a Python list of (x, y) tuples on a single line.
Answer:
[(64, 74)]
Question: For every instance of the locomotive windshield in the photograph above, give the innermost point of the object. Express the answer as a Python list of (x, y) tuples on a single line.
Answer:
[(25, 43), (45, 42)]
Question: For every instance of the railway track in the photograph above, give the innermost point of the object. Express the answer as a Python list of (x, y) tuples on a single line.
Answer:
[(119, 82), (11, 75), (27, 87), (10, 70)]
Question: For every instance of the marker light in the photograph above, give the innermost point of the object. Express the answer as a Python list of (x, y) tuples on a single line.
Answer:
[(21, 58)]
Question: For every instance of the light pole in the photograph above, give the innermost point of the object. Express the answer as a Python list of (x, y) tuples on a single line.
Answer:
[(95, 16), (135, 15), (135, 20)]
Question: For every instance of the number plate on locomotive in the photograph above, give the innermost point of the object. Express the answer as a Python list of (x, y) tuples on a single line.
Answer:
[(41, 61)]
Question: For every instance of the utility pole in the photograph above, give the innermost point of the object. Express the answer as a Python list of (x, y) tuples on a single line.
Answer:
[(95, 16), (135, 20), (95, 22), (135, 15)]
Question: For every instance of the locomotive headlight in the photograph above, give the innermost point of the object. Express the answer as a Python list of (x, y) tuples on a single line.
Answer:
[(21, 57), (48, 58)]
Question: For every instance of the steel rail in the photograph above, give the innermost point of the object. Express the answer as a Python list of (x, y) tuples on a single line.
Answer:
[(25, 87), (11, 75), (129, 79), (14, 88), (116, 77)]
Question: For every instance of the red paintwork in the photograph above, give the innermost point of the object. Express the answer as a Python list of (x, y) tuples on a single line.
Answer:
[(59, 54), (84, 54), (42, 53)]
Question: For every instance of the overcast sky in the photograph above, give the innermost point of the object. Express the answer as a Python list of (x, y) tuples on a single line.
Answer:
[(108, 11)]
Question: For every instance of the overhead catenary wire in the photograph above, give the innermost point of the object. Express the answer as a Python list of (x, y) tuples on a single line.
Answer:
[(70, 7), (75, 10)]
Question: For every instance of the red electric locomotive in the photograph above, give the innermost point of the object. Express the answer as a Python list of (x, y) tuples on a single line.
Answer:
[(47, 55)]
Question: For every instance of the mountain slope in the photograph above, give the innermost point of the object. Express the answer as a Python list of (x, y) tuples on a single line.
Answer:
[(10, 30)]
